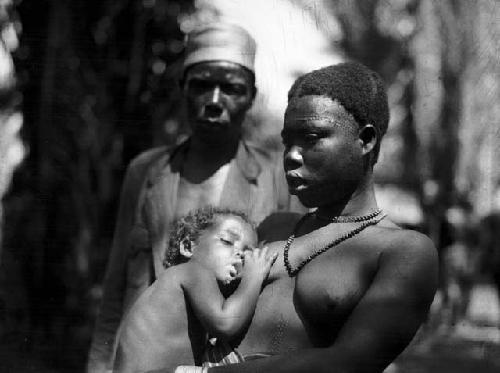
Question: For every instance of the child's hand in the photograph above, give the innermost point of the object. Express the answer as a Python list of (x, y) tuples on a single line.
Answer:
[(258, 263)]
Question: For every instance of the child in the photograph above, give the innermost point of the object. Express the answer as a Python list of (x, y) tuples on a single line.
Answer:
[(170, 322)]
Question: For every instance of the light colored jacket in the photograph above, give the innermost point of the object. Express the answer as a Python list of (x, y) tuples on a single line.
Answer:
[(255, 185)]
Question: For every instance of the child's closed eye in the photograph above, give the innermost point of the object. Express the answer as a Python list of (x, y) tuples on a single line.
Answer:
[(226, 241)]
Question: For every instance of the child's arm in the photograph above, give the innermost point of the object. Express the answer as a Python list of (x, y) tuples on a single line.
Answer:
[(225, 318)]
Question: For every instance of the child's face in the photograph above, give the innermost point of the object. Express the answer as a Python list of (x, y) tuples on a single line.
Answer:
[(221, 247)]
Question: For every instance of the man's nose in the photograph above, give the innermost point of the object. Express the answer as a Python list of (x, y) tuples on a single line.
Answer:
[(213, 108), (292, 158), (215, 95)]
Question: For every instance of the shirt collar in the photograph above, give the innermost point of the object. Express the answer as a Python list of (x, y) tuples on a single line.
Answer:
[(245, 160)]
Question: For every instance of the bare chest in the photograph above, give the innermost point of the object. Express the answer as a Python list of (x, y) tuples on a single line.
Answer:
[(276, 326), (309, 309), (327, 289)]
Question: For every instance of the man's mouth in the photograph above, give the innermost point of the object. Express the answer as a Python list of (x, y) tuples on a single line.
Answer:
[(213, 124)]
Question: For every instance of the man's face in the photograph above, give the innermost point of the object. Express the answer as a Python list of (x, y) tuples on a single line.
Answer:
[(221, 247), (323, 158), (218, 95)]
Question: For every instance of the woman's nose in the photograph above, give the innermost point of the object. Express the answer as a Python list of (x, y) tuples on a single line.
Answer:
[(292, 157)]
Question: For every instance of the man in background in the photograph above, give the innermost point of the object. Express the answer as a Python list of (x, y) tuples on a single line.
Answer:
[(214, 166)]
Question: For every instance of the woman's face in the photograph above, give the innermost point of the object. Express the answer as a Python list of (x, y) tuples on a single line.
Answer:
[(323, 157)]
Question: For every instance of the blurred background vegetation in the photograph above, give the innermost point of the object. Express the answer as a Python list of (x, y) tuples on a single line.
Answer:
[(94, 84)]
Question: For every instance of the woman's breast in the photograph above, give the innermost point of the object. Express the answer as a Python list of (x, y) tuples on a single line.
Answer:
[(276, 326), (326, 293)]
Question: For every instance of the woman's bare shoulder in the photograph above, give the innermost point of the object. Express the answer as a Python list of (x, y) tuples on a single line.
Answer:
[(406, 244)]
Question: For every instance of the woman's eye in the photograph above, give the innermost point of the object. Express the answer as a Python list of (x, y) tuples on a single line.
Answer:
[(226, 242)]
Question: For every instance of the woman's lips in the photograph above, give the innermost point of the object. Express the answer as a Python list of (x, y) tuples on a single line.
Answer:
[(295, 183)]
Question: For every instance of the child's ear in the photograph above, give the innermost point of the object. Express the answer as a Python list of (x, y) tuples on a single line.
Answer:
[(186, 248)]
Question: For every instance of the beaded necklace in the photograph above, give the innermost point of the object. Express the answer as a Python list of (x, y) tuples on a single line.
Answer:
[(292, 272), (349, 219)]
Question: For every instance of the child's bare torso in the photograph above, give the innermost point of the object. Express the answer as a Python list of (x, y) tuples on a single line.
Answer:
[(159, 330)]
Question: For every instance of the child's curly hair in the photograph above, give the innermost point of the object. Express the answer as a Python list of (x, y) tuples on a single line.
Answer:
[(190, 227)]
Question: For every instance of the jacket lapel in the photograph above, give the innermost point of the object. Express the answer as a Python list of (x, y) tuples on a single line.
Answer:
[(160, 200), (239, 188), (160, 204)]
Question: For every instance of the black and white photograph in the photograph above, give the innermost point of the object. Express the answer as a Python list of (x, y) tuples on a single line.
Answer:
[(249, 186)]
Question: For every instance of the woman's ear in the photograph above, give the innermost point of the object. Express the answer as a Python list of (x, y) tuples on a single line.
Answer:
[(186, 248), (368, 137)]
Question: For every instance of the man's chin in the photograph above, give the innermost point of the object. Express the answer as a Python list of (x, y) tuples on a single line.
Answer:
[(212, 126), (214, 136)]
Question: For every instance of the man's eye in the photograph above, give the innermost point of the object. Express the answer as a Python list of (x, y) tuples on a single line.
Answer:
[(198, 85), (234, 89)]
